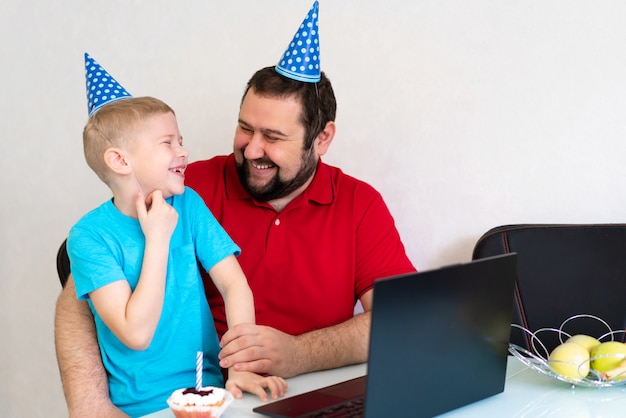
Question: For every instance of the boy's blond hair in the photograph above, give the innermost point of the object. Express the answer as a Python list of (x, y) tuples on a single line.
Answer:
[(113, 126)]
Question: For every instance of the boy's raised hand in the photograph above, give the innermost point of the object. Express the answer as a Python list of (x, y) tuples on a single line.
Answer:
[(157, 218)]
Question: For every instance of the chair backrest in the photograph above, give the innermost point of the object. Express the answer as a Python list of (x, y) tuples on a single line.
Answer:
[(63, 264), (563, 270)]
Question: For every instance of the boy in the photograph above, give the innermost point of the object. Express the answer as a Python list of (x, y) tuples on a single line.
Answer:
[(134, 258)]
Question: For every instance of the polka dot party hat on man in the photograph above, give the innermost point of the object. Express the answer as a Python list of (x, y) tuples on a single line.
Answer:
[(301, 60), (101, 87)]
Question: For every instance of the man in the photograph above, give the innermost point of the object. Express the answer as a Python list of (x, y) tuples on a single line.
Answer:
[(316, 237), (313, 241)]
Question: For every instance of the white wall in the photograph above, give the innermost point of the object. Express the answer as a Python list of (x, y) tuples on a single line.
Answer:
[(465, 115)]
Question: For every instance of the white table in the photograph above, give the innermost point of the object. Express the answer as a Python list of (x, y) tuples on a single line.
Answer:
[(526, 394)]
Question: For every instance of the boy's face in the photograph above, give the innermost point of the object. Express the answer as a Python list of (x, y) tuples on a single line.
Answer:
[(157, 156)]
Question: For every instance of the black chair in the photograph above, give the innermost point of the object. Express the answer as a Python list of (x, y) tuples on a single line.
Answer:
[(563, 270), (63, 264)]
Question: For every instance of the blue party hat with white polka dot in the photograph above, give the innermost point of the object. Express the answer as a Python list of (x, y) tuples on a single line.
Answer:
[(101, 87), (301, 60)]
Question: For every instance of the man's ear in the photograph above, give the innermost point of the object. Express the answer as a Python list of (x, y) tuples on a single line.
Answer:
[(323, 140), (114, 159)]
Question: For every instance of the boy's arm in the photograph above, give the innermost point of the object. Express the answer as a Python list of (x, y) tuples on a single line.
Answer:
[(239, 304), (233, 286), (133, 315), (83, 376)]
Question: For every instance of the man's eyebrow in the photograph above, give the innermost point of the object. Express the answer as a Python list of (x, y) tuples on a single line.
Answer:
[(264, 130), (274, 132)]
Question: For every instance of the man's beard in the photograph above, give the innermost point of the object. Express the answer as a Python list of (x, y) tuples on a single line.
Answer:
[(277, 188)]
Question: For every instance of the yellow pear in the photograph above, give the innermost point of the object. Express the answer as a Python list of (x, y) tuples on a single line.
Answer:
[(585, 340), (570, 360), (607, 355), (618, 373)]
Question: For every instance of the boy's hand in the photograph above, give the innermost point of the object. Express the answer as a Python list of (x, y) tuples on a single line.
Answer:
[(256, 384), (157, 218)]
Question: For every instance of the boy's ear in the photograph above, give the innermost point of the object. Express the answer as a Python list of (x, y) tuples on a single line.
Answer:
[(114, 159)]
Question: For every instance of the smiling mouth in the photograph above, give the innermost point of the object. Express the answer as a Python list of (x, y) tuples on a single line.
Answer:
[(261, 165), (178, 170)]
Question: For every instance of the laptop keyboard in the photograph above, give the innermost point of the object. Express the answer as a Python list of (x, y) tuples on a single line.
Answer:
[(354, 408)]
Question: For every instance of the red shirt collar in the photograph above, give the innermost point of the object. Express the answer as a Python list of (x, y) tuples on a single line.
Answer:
[(321, 190)]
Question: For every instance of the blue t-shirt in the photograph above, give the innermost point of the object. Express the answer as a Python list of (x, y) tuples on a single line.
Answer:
[(106, 246)]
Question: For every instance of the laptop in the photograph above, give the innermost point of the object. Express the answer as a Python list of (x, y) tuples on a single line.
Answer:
[(438, 341)]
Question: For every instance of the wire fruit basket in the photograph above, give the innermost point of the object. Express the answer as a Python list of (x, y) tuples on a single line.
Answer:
[(538, 358)]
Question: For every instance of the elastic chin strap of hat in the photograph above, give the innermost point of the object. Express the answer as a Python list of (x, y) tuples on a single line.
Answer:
[(132, 170)]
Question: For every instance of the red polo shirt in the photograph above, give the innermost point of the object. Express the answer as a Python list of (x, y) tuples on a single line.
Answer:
[(308, 264)]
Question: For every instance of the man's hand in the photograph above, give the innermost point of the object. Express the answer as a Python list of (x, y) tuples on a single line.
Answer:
[(260, 349), (256, 384), (265, 350)]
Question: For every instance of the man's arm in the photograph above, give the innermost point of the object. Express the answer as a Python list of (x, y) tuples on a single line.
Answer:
[(264, 349), (83, 376)]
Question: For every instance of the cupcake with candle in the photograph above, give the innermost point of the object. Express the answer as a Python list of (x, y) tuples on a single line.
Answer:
[(199, 402), (206, 402)]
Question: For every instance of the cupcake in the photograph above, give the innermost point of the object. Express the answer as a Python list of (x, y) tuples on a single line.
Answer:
[(208, 402)]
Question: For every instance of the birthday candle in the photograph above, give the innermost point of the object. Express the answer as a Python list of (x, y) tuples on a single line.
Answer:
[(199, 370)]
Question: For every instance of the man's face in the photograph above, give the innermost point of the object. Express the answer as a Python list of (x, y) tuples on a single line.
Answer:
[(269, 153)]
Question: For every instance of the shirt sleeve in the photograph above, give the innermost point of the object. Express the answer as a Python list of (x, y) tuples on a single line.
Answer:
[(211, 241), (379, 248), (94, 263)]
